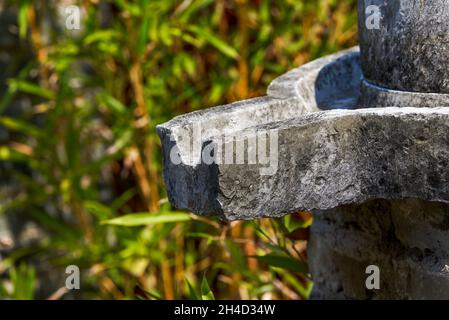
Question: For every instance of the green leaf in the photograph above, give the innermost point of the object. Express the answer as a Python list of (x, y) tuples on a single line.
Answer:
[(11, 92), (9, 154), (201, 235), (143, 36), (303, 288), (192, 293), (98, 209), (206, 292), (101, 36), (23, 279), (31, 88), (21, 126), (142, 219), (112, 103), (238, 257), (128, 7), (292, 224), (3, 292), (119, 202), (284, 262), (222, 46), (22, 17)]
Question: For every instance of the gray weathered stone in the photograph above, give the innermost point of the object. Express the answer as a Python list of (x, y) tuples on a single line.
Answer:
[(406, 239), (328, 158), (409, 50), (372, 96)]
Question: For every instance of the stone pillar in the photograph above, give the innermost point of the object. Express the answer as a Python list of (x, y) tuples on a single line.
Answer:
[(409, 50), (406, 239)]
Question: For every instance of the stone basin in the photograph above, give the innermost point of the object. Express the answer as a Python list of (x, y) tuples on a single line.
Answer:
[(340, 140)]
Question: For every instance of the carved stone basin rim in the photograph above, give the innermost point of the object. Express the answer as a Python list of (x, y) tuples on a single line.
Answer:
[(335, 146)]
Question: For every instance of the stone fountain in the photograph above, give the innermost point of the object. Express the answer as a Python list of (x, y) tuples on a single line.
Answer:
[(359, 138)]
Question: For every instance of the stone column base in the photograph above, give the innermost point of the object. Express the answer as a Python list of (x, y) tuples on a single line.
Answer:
[(407, 239)]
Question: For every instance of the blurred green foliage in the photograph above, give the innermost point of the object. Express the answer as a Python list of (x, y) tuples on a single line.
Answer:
[(87, 158)]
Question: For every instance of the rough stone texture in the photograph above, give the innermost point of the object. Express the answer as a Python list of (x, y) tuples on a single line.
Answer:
[(406, 239), (325, 158), (372, 96), (197, 187), (409, 51)]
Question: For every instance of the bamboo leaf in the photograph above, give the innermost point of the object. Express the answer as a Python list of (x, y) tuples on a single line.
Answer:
[(143, 35), (142, 219), (192, 293), (98, 209), (21, 126), (24, 282), (9, 154), (219, 44), (206, 292), (101, 36), (112, 103), (284, 262), (31, 88), (22, 17)]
